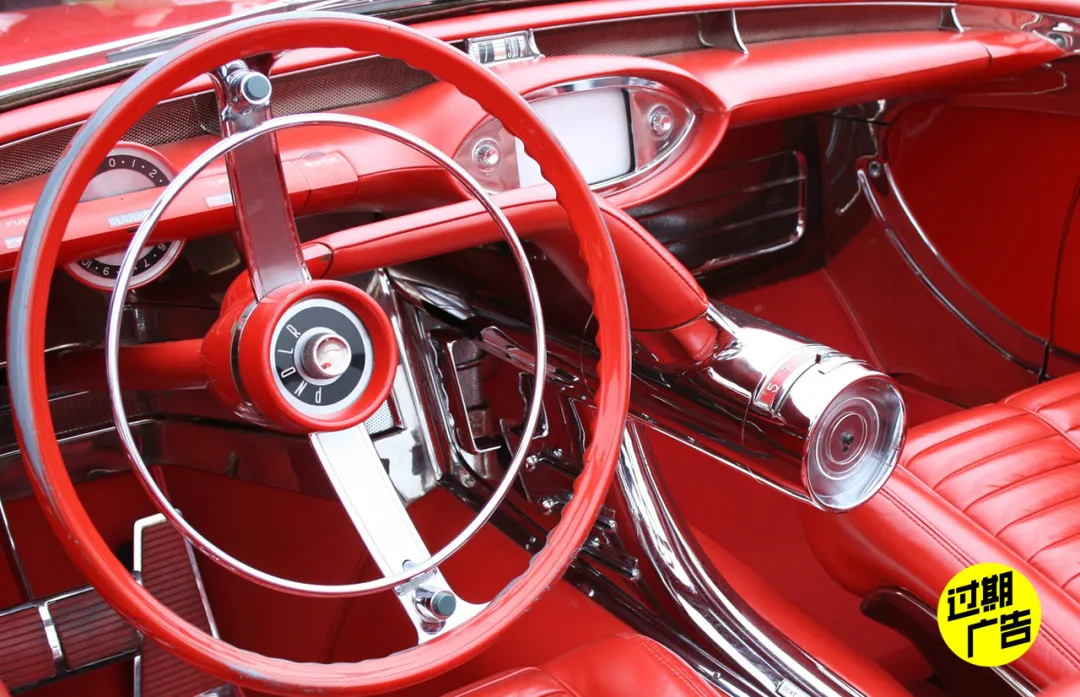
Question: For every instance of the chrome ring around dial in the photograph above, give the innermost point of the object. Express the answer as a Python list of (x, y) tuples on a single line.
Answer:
[(130, 167)]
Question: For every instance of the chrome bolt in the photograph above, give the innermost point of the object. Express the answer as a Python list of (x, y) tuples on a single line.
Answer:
[(486, 156), (874, 168), (661, 121)]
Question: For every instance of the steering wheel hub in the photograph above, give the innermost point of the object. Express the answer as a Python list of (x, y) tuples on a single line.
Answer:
[(321, 356), (317, 356)]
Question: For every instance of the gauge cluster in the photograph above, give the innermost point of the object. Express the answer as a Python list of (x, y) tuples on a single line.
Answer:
[(128, 168)]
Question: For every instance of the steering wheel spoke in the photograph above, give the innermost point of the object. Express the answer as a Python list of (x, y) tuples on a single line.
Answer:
[(267, 234), (364, 487)]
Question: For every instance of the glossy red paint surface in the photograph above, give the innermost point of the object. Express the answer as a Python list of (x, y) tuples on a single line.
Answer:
[(159, 366), (54, 488), (41, 32), (357, 168), (537, 216), (1002, 234), (798, 76), (994, 483)]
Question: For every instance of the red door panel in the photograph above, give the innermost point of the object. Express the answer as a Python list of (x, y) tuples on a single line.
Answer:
[(991, 189)]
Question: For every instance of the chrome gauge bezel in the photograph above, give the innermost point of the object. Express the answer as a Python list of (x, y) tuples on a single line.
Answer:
[(160, 266)]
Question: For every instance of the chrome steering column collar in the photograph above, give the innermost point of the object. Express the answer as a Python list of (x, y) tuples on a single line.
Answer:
[(816, 423)]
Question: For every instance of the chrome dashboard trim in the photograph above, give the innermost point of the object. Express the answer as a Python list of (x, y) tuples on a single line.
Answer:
[(666, 154), (96, 75)]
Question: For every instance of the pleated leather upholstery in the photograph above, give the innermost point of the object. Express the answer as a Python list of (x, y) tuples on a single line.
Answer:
[(995, 483)]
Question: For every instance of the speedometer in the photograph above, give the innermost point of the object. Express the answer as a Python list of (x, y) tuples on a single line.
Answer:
[(128, 168)]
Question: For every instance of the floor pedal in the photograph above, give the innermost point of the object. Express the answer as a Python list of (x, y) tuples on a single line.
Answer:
[(166, 565), (60, 636)]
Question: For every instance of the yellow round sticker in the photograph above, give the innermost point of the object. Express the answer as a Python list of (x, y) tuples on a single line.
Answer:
[(989, 614)]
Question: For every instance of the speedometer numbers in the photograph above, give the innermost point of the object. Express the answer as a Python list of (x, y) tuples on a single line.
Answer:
[(127, 169)]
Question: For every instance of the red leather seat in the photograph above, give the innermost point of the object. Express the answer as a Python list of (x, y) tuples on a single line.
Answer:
[(627, 664), (996, 483)]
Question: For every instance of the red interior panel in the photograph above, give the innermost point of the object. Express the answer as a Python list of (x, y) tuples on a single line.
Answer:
[(1002, 234)]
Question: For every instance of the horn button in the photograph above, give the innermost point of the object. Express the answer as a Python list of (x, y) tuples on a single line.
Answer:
[(321, 356)]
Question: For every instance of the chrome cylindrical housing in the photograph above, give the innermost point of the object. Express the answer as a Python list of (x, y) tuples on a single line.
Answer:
[(815, 422)]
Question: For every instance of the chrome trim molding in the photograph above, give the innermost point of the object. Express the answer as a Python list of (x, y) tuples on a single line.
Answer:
[(878, 183), (703, 596), (500, 49), (129, 55), (649, 157)]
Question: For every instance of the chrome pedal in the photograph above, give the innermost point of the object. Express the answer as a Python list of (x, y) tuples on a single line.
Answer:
[(165, 565)]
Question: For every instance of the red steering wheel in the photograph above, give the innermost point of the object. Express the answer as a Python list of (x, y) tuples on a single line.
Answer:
[(26, 344)]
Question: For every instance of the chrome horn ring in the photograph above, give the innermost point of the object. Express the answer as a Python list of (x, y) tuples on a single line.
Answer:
[(112, 349)]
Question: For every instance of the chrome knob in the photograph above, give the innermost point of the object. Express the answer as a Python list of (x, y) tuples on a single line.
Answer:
[(325, 356), (249, 89), (437, 606), (661, 121), (486, 156)]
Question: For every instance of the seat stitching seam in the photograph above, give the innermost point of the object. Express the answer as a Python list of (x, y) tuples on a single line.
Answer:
[(1055, 543), (986, 459), (672, 668), (1026, 480), (1049, 404), (936, 446), (1052, 425), (1035, 513), (1070, 580), (1060, 646), (957, 554)]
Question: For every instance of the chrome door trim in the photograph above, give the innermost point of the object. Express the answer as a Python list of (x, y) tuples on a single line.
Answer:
[(878, 184)]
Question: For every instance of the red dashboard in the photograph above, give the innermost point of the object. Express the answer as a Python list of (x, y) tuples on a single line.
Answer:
[(328, 169)]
